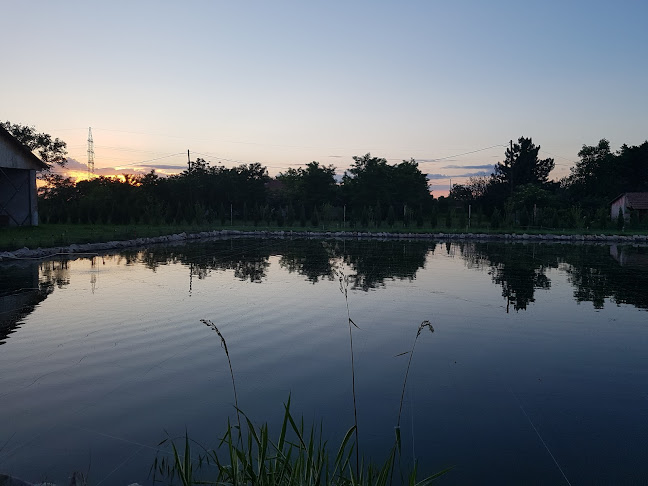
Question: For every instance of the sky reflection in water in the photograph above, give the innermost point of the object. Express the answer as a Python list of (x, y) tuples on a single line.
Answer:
[(538, 351)]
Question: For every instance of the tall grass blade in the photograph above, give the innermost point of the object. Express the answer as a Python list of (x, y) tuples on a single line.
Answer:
[(422, 326), (344, 288), (210, 324)]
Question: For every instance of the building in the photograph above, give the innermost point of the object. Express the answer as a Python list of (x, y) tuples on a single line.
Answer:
[(18, 196), (629, 202)]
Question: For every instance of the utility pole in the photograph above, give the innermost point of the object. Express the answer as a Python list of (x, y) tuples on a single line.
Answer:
[(188, 160), (511, 168)]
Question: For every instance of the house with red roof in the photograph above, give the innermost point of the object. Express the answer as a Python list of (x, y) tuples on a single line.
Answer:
[(629, 202)]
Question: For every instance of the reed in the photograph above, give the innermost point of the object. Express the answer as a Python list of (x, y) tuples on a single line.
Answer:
[(423, 325), (343, 280), (246, 455), (299, 456), (211, 325)]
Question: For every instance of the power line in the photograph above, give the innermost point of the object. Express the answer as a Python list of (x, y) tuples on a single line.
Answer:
[(425, 161), (559, 156), (151, 160), (234, 161)]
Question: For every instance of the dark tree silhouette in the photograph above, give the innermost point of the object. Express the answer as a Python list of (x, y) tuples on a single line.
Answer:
[(522, 165), (371, 182), (312, 186)]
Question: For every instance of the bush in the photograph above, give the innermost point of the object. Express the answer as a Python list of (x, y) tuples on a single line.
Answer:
[(315, 218), (496, 219), (620, 222), (391, 216)]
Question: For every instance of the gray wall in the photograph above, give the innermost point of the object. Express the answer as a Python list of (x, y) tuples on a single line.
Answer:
[(18, 198)]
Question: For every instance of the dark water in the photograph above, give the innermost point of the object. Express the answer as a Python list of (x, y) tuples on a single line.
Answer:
[(536, 373)]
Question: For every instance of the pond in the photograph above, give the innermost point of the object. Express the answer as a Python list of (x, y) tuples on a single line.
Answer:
[(536, 372)]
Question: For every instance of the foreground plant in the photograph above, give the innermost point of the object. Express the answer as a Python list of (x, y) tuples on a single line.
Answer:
[(247, 456), (298, 456)]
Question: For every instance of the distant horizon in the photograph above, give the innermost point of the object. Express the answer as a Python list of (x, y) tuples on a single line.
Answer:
[(78, 170)]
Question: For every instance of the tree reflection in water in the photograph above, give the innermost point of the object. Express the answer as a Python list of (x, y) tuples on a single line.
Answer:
[(518, 268), (596, 272), (25, 284)]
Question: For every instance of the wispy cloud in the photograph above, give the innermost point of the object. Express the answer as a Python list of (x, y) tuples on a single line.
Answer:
[(72, 164), (482, 173), (432, 160), (75, 169), (484, 166), (160, 166)]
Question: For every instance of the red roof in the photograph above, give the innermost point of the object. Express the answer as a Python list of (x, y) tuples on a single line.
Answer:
[(637, 200)]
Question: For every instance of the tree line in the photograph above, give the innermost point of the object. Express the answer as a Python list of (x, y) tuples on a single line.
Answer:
[(371, 194), (519, 192)]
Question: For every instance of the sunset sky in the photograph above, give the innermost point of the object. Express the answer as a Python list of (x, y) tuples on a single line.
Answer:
[(285, 83)]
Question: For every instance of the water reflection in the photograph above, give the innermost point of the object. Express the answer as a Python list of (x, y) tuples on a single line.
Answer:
[(372, 262), (313, 261), (23, 286), (616, 273), (375, 262), (249, 259), (596, 272), (518, 268)]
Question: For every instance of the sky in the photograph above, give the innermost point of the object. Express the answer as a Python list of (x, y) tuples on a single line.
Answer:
[(447, 83)]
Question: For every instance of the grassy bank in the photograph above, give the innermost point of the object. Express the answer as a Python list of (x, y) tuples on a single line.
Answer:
[(51, 235)]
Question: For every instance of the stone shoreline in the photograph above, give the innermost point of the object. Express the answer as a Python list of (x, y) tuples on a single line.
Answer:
[(96, 248)]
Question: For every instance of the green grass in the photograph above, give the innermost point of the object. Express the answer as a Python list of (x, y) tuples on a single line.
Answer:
[(246, 455), (298, 456), (52, 235)]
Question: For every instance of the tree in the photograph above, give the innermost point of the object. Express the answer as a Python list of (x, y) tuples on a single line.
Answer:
[(461, 192), (601, 174), (591, 176), (313, 186), (367, 182), (631, 165), (371, 182), (522, 165), (51, 151)]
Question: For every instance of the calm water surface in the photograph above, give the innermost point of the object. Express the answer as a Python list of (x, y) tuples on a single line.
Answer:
[(536, 373)]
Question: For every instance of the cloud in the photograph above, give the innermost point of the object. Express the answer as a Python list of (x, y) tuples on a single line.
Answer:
[(485, 166), (72, 164), (159, 166), (432, 160), (78, 170), (483, 173)]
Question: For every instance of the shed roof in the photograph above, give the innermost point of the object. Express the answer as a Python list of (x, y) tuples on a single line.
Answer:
[(23, 149), (637, 200)]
